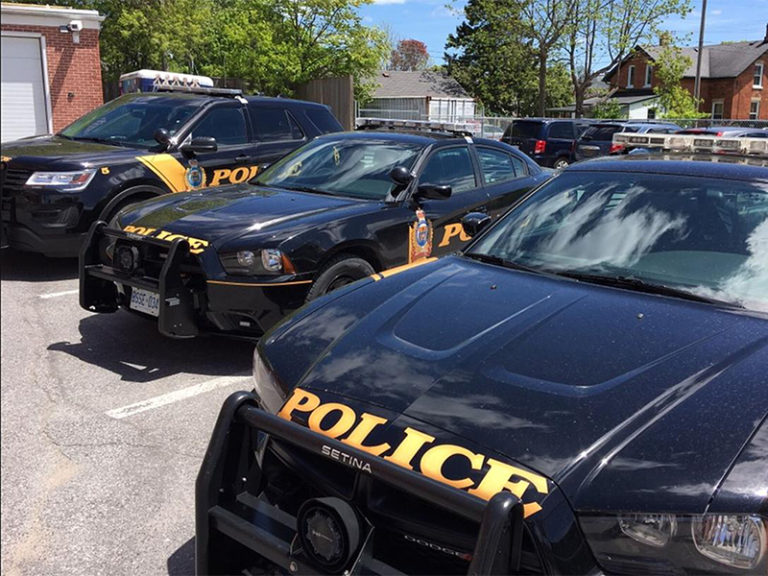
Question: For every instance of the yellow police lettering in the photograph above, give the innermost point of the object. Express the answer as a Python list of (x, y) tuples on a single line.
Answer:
[(342, 426), (367, 423), (196, 245), (239, 175), (451, 231), (254, 171), (499, 478), (433, 460), (405, 452), (219, 175), (302, 401)]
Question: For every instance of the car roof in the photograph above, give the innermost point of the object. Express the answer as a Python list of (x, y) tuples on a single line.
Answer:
[(404, 136), (704, 165), (205, 98)]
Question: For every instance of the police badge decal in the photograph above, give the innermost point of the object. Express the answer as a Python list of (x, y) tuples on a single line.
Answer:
[(195, 175), (420, 238)]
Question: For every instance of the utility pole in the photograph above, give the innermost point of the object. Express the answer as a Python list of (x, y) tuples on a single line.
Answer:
[(697, 85)]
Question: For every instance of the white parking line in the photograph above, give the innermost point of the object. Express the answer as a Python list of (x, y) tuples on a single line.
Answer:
[(172, 397), (57, 294)]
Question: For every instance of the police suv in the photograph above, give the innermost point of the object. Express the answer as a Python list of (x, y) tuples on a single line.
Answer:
[(140, 146), (580, 390)]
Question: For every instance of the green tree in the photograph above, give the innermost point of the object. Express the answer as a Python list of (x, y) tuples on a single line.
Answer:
[(609, 109), (674, 100), (494, 61)]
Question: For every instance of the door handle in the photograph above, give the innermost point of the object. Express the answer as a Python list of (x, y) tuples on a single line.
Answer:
[(242, 159)]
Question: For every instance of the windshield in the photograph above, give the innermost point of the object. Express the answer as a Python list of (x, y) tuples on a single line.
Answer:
[(132, 120), (526, 129), (707, 237), (358, 168)]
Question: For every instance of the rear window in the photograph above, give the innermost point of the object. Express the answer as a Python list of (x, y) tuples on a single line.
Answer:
[(605, 133), (323, 120), (526, 129), (563, 130)]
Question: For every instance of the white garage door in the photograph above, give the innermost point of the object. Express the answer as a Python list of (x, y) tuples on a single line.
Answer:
[(22, 97)]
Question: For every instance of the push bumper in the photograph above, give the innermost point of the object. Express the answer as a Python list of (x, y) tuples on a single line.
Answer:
[(98, 282), (227, 512)]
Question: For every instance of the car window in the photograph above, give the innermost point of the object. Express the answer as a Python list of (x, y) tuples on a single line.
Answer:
[(323, 120), (273, 124), (526, 129), (561, 130), (226, 124), (604, 133), (498, 166), (452, 167)]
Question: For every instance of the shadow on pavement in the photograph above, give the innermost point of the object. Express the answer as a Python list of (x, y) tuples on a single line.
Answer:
[(132, 348), (31, 267), (182, 562)]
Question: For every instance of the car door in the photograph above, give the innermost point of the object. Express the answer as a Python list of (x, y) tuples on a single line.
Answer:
[(560, 139), (276, 132), (231, 163), (505, 177), (453, 166)]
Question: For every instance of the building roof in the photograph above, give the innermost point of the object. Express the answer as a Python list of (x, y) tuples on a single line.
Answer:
[(717, 61), (622, 100), (44, 15), (395, 84)]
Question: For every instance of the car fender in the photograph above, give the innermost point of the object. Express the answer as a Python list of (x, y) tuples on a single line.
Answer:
[(143, 189)]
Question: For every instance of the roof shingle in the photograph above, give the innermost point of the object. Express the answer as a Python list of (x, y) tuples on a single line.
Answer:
[(396, 84)]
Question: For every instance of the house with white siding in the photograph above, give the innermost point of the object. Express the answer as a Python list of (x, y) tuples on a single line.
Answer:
[(421, 95)]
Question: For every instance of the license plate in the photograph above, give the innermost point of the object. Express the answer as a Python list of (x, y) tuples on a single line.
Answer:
[(589, 150), (145, 301)]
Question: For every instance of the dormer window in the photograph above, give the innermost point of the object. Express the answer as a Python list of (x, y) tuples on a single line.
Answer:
[(648, 75), (631, 77)]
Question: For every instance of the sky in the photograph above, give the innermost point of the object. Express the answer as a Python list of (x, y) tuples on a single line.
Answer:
[(431, 21)]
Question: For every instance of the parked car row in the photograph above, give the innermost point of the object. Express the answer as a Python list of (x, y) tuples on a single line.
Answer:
[(466, 364)]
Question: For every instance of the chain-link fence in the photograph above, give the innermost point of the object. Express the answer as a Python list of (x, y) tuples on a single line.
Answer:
[(494, 126)]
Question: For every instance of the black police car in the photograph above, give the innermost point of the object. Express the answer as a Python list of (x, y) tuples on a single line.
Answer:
[(137, 147), (341, 208), (582, 390)]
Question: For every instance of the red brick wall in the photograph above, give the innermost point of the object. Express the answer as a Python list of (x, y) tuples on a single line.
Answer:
[(743, 93), (640, 62), (74, 71)]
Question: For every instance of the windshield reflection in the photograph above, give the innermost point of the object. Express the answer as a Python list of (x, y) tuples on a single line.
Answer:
[(705, 236)]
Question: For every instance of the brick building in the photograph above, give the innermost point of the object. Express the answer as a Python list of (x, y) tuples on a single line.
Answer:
[(51, 68), (734, 78)]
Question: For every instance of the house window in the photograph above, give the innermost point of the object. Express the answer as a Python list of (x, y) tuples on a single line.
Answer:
[(648, 75), (754, 109), (758, 80), (651, 113), (631, 77), (717, 109)]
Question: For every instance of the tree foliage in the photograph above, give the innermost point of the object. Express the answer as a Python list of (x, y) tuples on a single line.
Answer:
[(273, 45), (674, 100), (496, 62), (409, 56)]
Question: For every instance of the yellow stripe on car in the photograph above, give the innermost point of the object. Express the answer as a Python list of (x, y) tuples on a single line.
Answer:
[(168, 169), (403, 268)]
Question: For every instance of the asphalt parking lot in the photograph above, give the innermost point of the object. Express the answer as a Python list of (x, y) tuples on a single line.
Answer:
[(104, 425)]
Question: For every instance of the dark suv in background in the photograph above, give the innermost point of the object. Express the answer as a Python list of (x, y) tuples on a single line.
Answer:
[(598, 139), (550, 142)]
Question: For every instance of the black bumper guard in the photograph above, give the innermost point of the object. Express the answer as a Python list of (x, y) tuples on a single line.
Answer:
[(98, 292), (271, 532)]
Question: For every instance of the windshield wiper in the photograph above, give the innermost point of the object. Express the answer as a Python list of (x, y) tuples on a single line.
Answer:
[(497, 261), (638, 285), (304, 189)]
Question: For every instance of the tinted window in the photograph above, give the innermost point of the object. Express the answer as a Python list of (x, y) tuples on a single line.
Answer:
[(272, 124), (561, 130), (226, 124), (497, 166), (605, 133), (526, 129), (323, 120), (453, 167)]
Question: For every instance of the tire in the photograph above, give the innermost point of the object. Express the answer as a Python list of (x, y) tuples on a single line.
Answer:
[(111, 217), (561, 163), (337, 272)]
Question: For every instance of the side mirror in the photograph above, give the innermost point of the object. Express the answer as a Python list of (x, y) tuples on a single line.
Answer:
[(474, 223), (162, 136), (401, 175), (200, 145), (433, 192)]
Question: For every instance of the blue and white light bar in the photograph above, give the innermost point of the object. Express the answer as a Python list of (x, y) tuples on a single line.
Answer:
[(694, 143)]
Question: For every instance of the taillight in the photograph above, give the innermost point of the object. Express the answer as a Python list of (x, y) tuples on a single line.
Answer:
[(541, 145), (720, 133), (616, 148)]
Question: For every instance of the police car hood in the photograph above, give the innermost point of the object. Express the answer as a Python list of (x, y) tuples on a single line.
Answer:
[(52, 152), (221, 214), (625, 400)]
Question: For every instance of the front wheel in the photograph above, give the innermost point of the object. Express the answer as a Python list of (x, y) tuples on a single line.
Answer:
[(561, 163), (337, 272)]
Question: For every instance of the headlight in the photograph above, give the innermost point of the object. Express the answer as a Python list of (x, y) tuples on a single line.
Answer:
[(62, 181), (266, 386), (269, 261), (677, 544)]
